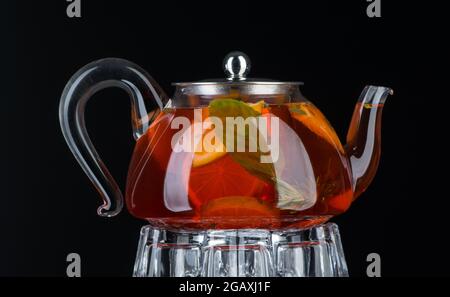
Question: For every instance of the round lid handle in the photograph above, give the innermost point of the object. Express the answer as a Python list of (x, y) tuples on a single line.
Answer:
[(236, 65)]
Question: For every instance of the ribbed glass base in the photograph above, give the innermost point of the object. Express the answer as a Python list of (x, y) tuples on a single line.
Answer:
[(244, 252)]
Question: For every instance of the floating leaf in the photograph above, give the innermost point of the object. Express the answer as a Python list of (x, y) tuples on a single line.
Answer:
[(251, 160)]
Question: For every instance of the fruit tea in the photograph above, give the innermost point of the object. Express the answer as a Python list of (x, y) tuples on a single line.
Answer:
[(229, 190)]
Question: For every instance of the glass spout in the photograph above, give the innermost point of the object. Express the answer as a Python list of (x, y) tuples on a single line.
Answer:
[(363, 146)]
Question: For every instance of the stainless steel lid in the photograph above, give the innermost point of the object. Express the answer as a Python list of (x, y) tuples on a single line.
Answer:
[(236, 66)]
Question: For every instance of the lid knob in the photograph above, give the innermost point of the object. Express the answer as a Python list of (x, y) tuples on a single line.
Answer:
[(236, 65)]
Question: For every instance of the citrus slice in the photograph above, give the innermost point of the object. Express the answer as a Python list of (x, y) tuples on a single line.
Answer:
[(203, 156), (315, 121), (341, 202), (221, 178), (235, 212), (237, 207), (258, 106)]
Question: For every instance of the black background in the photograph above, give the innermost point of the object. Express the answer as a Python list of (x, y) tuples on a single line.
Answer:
[(48, 206)]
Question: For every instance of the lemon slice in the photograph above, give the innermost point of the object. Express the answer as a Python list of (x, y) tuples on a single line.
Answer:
[(203, 157), (258, 106)]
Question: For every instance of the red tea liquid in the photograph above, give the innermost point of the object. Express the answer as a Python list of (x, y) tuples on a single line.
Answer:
[(220, 193)]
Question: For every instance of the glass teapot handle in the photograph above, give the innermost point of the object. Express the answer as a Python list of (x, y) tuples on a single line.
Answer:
[(145, 94)]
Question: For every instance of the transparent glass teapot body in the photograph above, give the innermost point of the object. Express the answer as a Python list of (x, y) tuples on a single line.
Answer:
[(231, 154)]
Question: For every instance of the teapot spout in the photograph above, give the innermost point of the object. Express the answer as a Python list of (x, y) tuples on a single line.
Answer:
[(363, 146)]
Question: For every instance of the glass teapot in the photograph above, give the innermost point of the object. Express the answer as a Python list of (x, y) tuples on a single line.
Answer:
[(233, 153)]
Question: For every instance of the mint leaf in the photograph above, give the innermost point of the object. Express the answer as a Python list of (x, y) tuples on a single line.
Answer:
[(251, 161)]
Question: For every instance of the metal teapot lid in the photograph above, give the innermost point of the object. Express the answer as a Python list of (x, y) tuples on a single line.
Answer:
[(236, 66)]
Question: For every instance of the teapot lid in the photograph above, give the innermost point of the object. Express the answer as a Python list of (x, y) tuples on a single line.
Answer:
[(236, 66)]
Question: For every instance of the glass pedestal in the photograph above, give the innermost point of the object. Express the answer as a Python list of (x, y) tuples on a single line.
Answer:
[(315, 252)]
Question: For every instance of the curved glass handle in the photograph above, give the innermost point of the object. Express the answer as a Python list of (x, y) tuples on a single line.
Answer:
[(145, 95)]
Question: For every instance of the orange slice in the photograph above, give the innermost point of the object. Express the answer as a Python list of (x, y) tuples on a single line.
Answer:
[(237, 206), (236, 212), (203, 157), (221, 178), (315, 121), (341, 202)]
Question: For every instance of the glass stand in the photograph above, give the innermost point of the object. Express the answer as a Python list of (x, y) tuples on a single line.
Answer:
[(244, 252)]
